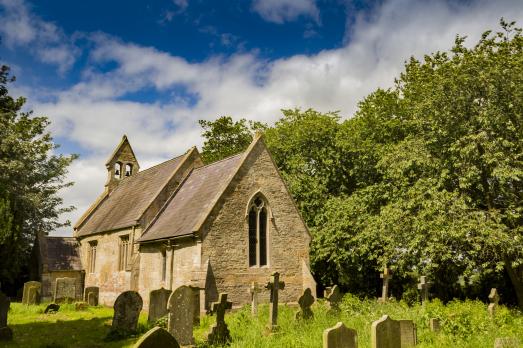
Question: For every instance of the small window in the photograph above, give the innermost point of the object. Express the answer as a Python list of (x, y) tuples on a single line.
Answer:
[(91, 256), (128, 169), (117, 170), (164, 265), (123, 253), (258, 233)]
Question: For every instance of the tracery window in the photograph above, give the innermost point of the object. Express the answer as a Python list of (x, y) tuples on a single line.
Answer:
[(258, 215)]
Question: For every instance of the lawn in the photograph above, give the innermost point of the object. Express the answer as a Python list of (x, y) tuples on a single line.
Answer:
[(464, 324)]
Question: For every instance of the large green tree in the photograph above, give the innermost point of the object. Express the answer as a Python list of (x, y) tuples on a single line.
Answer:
[(30, 178)]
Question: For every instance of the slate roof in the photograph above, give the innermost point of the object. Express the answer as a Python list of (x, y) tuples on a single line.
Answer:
[(63, 254), (127, 202), (197, 194)]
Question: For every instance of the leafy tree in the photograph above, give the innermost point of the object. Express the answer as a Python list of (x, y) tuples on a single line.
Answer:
[(30, 178)]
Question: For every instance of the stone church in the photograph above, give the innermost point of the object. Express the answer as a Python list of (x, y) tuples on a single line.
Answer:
[(215, 227)]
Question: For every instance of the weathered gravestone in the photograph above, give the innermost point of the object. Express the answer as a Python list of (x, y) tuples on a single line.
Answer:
[(305, 301), (196, 304), (423, 286), (64, 290), (181, 311), (407, 333), (31, 293), (127, 309), (434, 324), (158, 304), (52, 308), (386, 276), (340, 336), (385, 333), (91, 295), (219, 333), (157, 338), (494, 301), (333, 296), (506, 342), (6, 334), (274, 286), (254, 290)]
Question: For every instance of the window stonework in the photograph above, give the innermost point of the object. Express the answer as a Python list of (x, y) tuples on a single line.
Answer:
[(123, 253), (91, 256), (258, 222)]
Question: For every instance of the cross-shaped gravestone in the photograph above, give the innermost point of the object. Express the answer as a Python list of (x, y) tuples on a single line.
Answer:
[(274, 286), (494, 301), (6, 334), (334, 297), (305, 301), (219, 333), (386, 276), (423, 285), (254, 289)]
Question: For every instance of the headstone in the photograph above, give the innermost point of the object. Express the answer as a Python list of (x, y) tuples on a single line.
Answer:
[(6, 334), (158, 304), (305, 301), (33, 297), (91, 295), (423, 286), (334, 296), (196, 304), (274, 286), (385, 333), (127, 309), (219, 333), (52, 308), (506, 342), (253, 291), (386, 276), (407, 333), (81, 306), (64, 290), (340, 336), (434, 324), (494, 301), (181, 310), (157, 337)]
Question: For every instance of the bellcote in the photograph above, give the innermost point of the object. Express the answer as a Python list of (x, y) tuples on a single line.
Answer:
[(121, 164)]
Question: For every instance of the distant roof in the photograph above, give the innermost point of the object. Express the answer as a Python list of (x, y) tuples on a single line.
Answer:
[(195, 197), (127, 202), (62, 254)]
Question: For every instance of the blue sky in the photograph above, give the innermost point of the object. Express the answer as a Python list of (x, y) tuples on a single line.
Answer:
[(151, 69)]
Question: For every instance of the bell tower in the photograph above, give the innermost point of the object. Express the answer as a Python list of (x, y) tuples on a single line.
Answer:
[(121, 164)]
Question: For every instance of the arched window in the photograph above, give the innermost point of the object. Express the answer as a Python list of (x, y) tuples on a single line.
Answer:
[(128, 169), (258, 216), (117, 170)]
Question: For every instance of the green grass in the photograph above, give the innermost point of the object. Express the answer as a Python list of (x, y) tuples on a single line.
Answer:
[(464, 324)]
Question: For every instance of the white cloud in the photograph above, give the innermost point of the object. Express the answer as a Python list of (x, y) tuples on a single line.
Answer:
[(280, 11)]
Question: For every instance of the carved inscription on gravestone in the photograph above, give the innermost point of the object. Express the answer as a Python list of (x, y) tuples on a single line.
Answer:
[(64, 290), (181, 311)]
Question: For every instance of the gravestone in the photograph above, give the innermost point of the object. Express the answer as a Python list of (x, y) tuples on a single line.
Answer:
[(274, 286), (494, 301), (340, 336), (434, 324), (52, 308), (254, 290), (6, 334), (157, 338), (81, 306), (64, 290), (305, 301), (423, 286), (506, 342), (127, 309), (181, 311), (386, 276), (196, 304), (385, 333), (31, 297), (91, 295), (407, 333), (219, 333), (158, 304), (333, 296)]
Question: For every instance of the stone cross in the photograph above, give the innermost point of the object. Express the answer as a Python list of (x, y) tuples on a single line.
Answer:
[(494, 301), (386, 276), (181, 315), (334, 296), (254, 289), (91, 294), (127, 309), (424, 287), (31, 293), (305, 301), (340, 336), (385, 333), (219, 333), (158, 304), (6, 334), (157, 337), (274, 286)]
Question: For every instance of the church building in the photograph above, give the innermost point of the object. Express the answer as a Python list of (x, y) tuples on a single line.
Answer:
[(216, 227)]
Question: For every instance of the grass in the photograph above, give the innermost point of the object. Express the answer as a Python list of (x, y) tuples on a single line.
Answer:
[(464, 324)]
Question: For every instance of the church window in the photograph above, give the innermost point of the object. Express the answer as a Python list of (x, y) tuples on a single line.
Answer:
[(164, 265), (117, 170), (123, 253), (91, 256), (257, 218), (128, 169)]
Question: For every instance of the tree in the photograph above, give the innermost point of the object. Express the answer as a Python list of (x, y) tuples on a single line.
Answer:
[(30, 178)]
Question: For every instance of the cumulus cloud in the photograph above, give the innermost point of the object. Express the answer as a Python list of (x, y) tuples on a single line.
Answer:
[(280, 11)]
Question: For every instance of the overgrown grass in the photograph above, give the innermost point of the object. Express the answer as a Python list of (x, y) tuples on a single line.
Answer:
[(464, 324)]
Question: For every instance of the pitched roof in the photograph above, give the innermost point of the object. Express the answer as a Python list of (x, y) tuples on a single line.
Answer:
[(62, 254), (124, 206), (182, 214)]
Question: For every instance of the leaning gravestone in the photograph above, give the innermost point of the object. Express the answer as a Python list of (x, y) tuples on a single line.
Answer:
[(334, 296), (91, 295), (494, 301), (407, 333), (254, 290), (305, 301), (157, 338), (6, 334), (220, 332), (385, 333), (340, 336), (274, 285), (31, 297), (52, 308), (127, 309), (158, 304), (506, 342), (434, 324), (181, 311), (64, 290)]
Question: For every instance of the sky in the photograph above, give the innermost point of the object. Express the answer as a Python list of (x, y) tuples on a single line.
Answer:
[(152, 69)]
